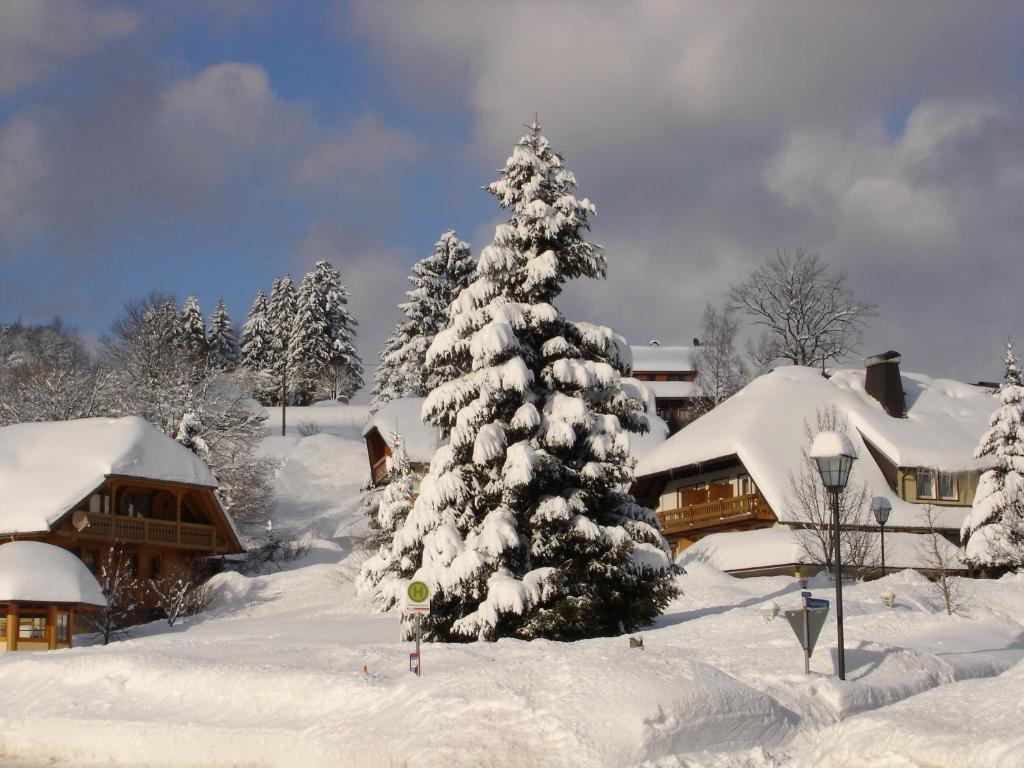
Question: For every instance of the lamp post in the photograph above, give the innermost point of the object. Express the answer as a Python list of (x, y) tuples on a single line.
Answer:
[(834, 454), (880, 507)]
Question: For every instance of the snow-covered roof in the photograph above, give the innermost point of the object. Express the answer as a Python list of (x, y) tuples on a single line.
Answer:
[(763, 425), (403, 416), (668, 390), (31, 571), (661, 358), (773, 547), (46, 468)]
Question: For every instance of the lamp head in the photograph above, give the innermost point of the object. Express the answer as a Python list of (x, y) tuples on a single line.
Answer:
[(880, 508), (834, 454)]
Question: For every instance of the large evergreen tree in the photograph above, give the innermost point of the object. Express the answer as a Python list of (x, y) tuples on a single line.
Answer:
[(994, 530), (224, 352), (281, 319), (342, 375), (523, 526), (437, 280), (257, 340), (310, 348), (193, 328)]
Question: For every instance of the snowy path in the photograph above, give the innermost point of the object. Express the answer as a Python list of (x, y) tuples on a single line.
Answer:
[(273, 676)]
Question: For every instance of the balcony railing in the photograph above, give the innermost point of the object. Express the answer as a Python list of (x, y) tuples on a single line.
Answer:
[(141, 530), (715, 513)]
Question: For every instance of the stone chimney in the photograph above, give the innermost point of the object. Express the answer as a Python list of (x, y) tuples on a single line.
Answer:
[(882, 381)]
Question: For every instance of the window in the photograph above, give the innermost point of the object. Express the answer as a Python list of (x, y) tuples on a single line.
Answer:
[(925, 484), (155, 567), (62, 627), (88, 557), (947, 486), (32, 626), (3, 625)]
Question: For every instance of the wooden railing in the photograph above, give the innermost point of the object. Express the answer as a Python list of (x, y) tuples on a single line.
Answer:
[(144, 531), (714, 513)]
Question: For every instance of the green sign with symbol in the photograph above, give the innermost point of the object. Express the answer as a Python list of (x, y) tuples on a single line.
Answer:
[(418, 592)]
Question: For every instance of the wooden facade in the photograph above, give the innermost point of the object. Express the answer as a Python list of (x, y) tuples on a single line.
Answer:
[(377, 452), (28, 626), (162, 527)]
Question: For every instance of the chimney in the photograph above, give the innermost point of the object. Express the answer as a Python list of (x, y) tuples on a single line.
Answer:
[(882, 381)]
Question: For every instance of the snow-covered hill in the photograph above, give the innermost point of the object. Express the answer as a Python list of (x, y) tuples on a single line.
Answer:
[(293, 669)]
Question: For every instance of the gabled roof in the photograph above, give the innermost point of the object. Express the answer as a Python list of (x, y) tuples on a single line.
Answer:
[(660, 358), (46, 468), (763, 425), (31, 571), (402, 416)]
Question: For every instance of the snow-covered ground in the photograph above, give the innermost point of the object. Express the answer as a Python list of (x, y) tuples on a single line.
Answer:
[(292, 669)]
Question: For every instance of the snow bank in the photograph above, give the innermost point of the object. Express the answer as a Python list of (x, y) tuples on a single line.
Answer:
[(46, 468), (31, 571), (763, 425)]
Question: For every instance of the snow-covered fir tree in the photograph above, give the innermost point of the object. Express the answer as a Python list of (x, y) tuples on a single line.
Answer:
[(257, 340), (193, 327), (391, 512), (341, 376), (309, 350), (281, 319), (437, 280), (224, 351), (524, 525), (993, 532)]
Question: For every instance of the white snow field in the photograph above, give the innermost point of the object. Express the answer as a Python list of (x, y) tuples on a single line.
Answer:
[(292, 669)]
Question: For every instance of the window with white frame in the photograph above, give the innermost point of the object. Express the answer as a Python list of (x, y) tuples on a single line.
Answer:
[(947, 486), (926, 483)]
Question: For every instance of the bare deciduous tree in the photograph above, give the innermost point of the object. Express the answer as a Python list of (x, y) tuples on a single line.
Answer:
[(810, 315), (120, 584), (182, 595), (720, 370), (937, 555), (813, 506)]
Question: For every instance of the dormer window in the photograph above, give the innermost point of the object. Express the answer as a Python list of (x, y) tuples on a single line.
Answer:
[(947, 486), (937, 485), (926, 483)]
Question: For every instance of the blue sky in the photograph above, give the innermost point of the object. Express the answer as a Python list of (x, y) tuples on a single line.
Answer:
[(207, 147)]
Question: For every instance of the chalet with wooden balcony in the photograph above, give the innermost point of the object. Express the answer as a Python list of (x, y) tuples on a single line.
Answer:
[(722, 481), (669, 372), (90, 484)]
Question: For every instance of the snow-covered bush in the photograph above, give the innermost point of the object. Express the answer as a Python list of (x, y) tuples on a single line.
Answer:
[(524, 525)]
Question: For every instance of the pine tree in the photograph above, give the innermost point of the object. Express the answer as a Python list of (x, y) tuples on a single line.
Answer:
[(281, 319), (309, 351), (388, 517), (193, 328), (333, 368), (993, 533), (257, 340), (437, 280), (224, 352), (523, 526)]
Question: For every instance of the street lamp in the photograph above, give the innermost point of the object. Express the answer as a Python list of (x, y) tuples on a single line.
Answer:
[(881, 508), (834, 454)]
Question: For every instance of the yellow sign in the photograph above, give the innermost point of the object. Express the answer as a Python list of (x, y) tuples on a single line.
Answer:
[(418, 592)]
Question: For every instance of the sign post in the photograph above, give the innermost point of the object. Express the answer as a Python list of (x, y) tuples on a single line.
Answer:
[(417, 601), (807, 622)]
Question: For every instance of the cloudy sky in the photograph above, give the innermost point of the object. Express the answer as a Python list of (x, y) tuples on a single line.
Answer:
[(206, 147)]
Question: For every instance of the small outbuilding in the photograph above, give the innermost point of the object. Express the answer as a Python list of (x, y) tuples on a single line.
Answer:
[(42, 587)]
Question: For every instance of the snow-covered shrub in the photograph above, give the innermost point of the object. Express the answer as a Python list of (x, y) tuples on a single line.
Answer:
[(524, 525), (308, 428)]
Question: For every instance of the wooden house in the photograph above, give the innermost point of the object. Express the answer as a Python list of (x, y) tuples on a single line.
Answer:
[(92, 484), (728, 474), (42, 587), (399, 420), (669, 372)]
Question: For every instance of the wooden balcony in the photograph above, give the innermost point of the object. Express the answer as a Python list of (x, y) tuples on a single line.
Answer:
[(715, 513), (139, 530)]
